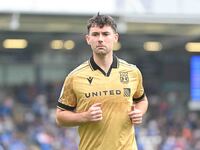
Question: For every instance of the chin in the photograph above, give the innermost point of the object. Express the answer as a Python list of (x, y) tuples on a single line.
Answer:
[(101, 52)]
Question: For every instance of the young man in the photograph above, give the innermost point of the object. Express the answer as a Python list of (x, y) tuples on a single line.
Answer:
[(103, 96)]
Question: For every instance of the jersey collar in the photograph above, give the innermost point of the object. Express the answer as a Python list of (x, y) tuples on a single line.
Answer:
[(94, 66)]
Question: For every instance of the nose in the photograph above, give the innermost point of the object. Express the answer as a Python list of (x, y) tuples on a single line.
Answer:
[(100, 38)]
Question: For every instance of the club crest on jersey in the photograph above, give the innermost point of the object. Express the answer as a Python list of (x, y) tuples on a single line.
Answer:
[(124, 77)]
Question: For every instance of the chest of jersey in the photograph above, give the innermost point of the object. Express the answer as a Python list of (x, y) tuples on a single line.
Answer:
[(94, 87)]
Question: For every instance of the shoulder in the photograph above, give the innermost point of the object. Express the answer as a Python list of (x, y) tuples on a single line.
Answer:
[(124, 63), (128, 66), (79, 69)]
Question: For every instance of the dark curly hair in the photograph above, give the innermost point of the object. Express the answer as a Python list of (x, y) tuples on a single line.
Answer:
[(101, 21)]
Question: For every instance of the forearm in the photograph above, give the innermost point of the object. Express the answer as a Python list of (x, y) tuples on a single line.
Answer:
[(68, 118), (142, 105)]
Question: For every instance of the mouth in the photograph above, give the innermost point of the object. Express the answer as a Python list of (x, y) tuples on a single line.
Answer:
[(100, 46)]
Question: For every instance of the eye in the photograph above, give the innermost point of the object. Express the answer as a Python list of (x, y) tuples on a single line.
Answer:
[(106, 33), (95, 34)]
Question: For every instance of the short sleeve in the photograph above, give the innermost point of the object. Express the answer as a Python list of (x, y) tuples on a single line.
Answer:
[(67, 99), (139, 94)]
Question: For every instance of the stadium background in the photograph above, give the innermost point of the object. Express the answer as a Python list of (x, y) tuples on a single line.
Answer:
[(40, 44)]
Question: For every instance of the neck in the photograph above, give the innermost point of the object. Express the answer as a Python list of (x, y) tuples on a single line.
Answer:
[(104, 62)]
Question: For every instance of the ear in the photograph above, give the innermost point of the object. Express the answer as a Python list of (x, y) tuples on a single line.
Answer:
[(87, 38), (116, 37)]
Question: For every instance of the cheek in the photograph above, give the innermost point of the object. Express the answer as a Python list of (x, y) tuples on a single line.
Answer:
[(92, 42), (109, 41)]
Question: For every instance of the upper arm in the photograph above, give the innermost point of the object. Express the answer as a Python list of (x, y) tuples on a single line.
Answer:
[(142, 104), (67, 99), (62, 116), (139, 94)]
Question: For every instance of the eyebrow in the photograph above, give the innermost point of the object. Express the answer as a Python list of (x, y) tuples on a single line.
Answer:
[(100, 32)]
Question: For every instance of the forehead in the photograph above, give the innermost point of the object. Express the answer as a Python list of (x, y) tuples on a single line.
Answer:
[(101, 29)]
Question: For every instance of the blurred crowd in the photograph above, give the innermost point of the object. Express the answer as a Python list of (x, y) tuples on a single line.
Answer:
[(169, 124), (27, 121)]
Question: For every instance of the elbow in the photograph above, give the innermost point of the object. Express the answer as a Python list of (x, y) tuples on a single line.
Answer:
[(146, 105), (58, 122), (63, 119), (58, 119)]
